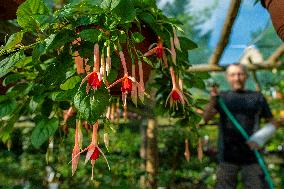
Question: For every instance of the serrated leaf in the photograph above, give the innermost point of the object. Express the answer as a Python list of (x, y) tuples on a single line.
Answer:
[(27, 10), (70, 83), (38, 50), (7, 107), (59, 39), (14, 39), (109, 4), (91, 35), (125, 10), (44, 129), (6, 65), (137, 37)]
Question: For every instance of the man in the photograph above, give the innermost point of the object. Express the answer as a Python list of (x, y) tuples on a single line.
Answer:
[(235, 153)]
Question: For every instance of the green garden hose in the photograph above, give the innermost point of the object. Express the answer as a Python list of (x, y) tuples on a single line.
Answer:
[(245, 135)]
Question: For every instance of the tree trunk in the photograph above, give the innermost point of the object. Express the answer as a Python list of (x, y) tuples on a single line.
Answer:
[(143, 152), (151, 153)]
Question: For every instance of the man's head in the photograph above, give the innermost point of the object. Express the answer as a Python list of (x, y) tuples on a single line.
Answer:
[(236, 75)]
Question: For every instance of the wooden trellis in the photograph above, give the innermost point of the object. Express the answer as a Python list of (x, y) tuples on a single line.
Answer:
[(213, 62)]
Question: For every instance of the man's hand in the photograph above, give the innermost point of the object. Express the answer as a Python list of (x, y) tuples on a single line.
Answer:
[(253, 145), (214, 91)]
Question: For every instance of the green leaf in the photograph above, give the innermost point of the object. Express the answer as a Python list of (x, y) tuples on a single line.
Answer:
[(7, 107), (6, 65), (91, 35), (186, 44), (38, 50), (44, 129), (137, 37), (27, 12), (14, 39), (82, 104), (12, 78), (63, 95), (148, 61), (70, 83), (125, 10), (99, 103), (58, 40), (109, 4)]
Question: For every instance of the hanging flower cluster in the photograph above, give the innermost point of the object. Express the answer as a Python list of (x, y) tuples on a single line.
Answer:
[(93, 150)]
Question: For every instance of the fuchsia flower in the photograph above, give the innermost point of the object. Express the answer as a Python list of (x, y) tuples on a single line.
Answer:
[(159, 51), (176, 95), (93, 151), (94, 78)]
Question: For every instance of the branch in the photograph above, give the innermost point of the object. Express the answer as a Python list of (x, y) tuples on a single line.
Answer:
[(250, 67), (276, 55), (226, 31)]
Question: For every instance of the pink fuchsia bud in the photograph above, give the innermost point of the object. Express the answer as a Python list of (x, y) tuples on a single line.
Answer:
[(108, 60), (141, 88), (176, 40), (134, 87), (79, 62), (108, 112), (173, 51), (123, 62), (96, 67), (75, 153), (103, 68), (199, 150), (186, 151), (165, 60), (106, 140), (80, 134)]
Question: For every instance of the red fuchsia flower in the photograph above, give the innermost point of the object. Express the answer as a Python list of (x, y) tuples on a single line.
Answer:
[(159, 51), (176, 40), (93, 150), (176, 95), (94, 78)]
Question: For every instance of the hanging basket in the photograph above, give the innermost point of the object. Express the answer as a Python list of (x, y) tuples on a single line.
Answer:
[(276, 11)]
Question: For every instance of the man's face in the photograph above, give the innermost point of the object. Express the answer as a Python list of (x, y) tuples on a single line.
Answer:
[(236, 76)]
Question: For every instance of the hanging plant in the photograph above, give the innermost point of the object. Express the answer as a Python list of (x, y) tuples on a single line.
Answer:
[(85, 57)]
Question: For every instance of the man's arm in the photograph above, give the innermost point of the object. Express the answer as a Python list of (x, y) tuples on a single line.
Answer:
[(210, 108), (260, 137)]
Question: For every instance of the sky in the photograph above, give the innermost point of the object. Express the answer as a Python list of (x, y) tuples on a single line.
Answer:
[(251, 18)]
